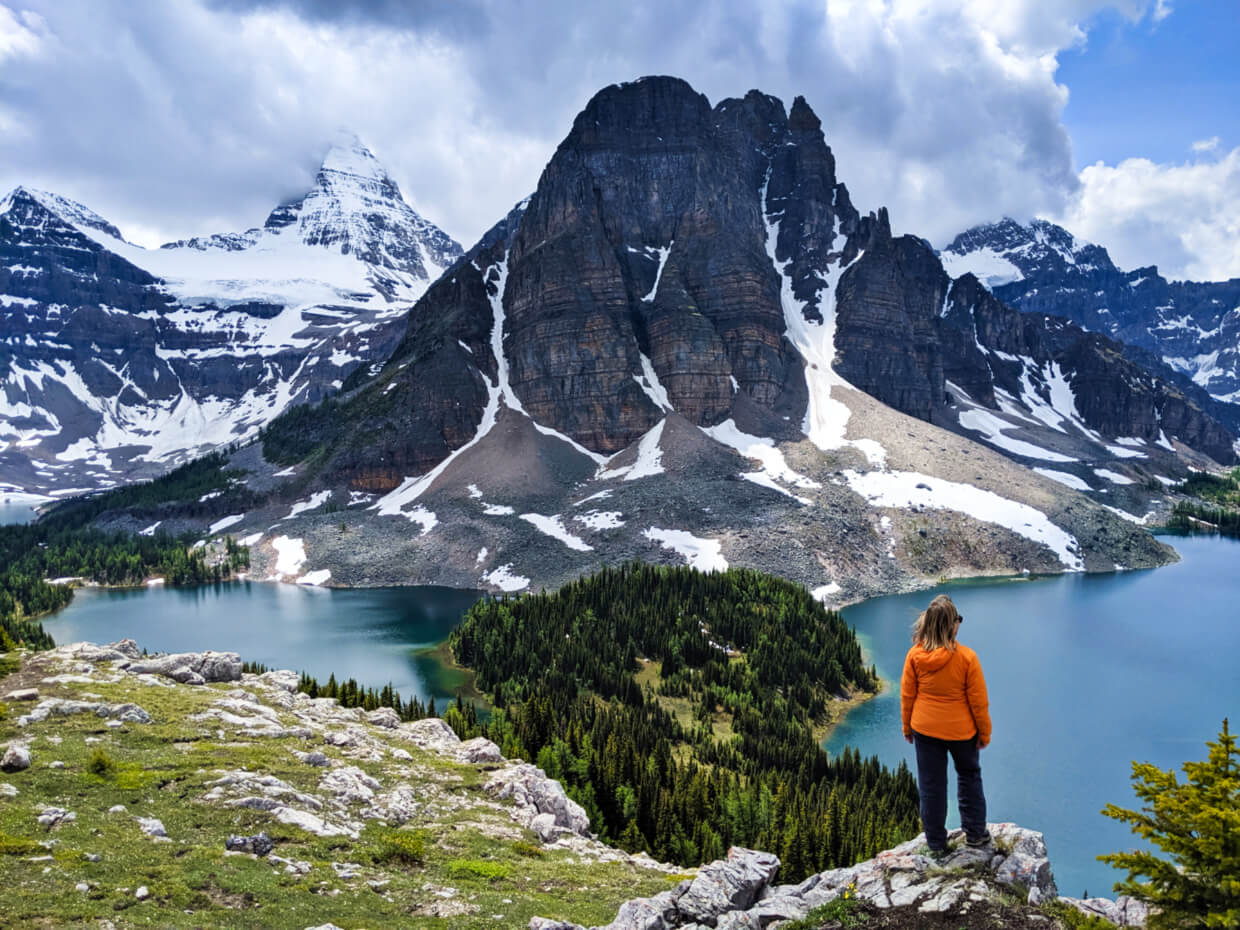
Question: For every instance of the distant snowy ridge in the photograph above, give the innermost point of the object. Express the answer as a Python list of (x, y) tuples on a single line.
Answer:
[(124, 361)]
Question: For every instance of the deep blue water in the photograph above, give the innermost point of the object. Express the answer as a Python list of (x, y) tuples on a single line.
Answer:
[(370, 634), (1086, 673)]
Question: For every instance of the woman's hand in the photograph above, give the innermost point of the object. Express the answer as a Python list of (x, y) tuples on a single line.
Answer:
[(908, 737)]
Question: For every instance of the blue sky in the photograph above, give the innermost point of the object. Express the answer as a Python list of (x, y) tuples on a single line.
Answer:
[(1151, 89), (175, 118)]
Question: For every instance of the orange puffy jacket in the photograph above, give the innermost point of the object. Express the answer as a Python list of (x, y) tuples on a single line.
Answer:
[(943, 694)]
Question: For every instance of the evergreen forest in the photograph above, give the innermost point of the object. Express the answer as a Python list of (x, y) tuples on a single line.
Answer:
[(684, 711)]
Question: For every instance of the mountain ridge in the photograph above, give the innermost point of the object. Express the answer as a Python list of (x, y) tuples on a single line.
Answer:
[(123, 361)]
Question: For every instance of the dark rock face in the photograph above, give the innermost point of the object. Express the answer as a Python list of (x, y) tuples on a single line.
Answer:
[(641, 262), (888, 338), (1113, 395), (658, 266), (1191, 327)]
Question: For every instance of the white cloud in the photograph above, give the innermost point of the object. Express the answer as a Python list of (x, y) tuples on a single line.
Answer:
[(182, 119), (1207, 145), (19, 33), (1183, 218)]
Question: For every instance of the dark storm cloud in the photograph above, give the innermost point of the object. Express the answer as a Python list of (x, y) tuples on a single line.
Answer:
[(183, 118)]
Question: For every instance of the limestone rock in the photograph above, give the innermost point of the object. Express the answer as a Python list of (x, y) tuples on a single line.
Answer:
[(23, 694), (730, 884), (480, 750), (7, 790), (349, 784), (152, 826), (60, 707), (1027, 865), (534, 793), (432, 733), (384, 717), (1124, 911), (188, 667), (16, 758), (54, 816)]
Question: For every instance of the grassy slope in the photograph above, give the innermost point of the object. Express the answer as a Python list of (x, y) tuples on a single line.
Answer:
[(472, 846)]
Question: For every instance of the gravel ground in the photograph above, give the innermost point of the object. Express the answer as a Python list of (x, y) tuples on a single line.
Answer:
[(837, 539)]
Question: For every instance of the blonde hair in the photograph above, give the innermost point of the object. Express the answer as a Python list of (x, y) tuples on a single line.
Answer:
[(936, 625)]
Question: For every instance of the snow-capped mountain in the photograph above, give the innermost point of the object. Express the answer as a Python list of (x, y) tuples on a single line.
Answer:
[(1192, 327), (118, 361), (688, 344)]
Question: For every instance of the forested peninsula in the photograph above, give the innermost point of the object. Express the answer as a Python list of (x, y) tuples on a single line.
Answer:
[(680, 710)]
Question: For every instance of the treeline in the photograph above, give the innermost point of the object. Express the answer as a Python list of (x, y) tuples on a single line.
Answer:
[(178, 492), (462, 717), (717, 749), (1189, 517), (299, 430)]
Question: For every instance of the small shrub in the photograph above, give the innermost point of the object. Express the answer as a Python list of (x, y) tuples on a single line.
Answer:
[(1072, 919), (529, 850), (407, 847), (478, 868), (100, 764), (18, 846), (842, 912)]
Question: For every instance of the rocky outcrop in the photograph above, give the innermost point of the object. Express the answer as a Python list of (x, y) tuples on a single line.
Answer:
[(541, 803), (740, 891), (191, 668)]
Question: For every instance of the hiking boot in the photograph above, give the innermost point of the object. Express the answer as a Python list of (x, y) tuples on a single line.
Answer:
[(980, 842), (938, 855)]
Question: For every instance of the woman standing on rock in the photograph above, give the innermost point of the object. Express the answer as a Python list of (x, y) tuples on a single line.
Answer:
[(945, 711)]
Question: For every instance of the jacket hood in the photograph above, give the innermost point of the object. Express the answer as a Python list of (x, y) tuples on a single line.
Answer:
[(931, 660)]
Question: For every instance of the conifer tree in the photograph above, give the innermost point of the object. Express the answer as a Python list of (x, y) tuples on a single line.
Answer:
[(1196, 823)]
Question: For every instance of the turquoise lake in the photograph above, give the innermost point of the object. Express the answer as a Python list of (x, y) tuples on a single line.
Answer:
[(371, 634), (1086, 673)]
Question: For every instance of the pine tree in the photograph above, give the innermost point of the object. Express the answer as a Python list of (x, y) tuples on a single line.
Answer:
[(1197, 824)]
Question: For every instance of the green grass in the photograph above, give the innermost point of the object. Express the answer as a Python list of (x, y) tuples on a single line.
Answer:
[(162, 769)]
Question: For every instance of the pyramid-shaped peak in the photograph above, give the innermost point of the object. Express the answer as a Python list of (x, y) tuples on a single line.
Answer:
[(350, 156)]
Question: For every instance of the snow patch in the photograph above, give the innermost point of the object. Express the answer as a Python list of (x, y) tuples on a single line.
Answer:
[(764, 451), (224, 523), (1064, 478), (705, 555), (290, 555), (506, 579), (316, 500), (912, 489), (600, 519), (826, 419), (315, 578), (554, 527), (1113, 476), (649, 458), (826, 591), (979, 420)]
